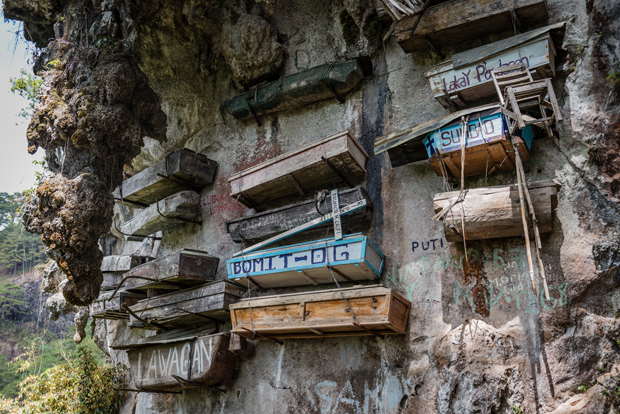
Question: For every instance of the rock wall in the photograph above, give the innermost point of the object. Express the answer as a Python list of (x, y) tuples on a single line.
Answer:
[(478, 341)]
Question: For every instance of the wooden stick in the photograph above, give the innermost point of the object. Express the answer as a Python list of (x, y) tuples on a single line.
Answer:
[(464, 130), (525, 227), (521, 172)]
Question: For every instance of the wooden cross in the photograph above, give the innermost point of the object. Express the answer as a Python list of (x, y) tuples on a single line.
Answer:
[(335, 215)]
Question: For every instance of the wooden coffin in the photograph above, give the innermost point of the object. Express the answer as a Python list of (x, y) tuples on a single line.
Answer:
[(468, 79), (111, 307), (187, 307), (352, 258), (180, 208), (318, 164), (494, 212), (294, 91), (113, 268), (459, 20), (261, 226), (487, 147), (172, 366), (179, 270), (322, 314), (181, 170)]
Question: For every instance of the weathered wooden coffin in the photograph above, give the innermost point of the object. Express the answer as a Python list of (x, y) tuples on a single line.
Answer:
[(166, 214), (320, 163), (487, 147), (322, 314), (181, 170), (202, 360), (494, 212), (467, 77), (352, 258), (459, 20), (187, 307), (111, 307), (113, 268), (294, 91), (261, 226), (179, 270)]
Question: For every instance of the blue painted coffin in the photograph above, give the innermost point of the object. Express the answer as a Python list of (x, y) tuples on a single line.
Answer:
[(483, 127), (353, 256)]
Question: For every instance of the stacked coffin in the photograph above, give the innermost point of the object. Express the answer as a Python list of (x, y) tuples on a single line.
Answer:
[(351, 258), (109, 305), (167, 193)]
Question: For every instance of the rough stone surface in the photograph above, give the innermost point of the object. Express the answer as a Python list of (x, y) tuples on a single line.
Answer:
[(479, 340)]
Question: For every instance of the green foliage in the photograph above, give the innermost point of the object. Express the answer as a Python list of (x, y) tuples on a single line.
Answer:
[(13, 303), (350, 31), (517, 409), (79, 385), (27, 86), (583, 388), (20, 251), (373, 27)]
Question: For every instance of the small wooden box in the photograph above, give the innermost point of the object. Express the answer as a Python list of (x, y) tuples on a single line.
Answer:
[(181, 170), (322, 314), (301, 171), (108, 307), (352, 258), (187, 307), (494, 212), (198, 361), (180, 270)]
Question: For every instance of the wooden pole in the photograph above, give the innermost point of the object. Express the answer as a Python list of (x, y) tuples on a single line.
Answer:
[(524, 218), (521, 172)]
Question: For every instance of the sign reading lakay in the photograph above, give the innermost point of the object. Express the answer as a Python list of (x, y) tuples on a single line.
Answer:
[(353, 257)]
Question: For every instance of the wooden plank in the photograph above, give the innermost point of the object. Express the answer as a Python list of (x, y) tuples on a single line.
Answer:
[(181, 269), (495, 212), (186, 170), (351, 258), (261, 226), (122, 263), (172, 336), (459, 20), (324, 312), (163, 215), (270, 180), (189, 306), (200, 361)]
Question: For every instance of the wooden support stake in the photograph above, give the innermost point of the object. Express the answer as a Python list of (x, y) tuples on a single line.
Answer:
[(526, 230), (339, 273)]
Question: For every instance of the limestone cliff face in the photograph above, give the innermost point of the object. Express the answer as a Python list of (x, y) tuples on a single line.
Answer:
[(477, 342)]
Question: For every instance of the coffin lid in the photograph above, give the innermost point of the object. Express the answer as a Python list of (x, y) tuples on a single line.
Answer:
[(468, 57), (169, 337), (418, 132)]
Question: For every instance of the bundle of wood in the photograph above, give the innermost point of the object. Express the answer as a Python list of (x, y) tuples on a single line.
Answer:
[(399, 9)]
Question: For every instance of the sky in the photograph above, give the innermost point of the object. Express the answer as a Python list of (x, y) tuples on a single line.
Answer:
[(17, 173)]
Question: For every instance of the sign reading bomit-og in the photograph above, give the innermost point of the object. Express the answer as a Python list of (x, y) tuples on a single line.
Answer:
[(353, 257)]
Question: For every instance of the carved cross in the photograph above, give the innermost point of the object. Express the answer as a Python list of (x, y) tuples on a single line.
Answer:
[(335, 215)]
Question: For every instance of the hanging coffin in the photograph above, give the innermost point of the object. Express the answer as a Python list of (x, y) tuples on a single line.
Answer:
[(459, 20), (352, 258), (177, 365), (261, 226), (338, 157), (113, 307), (494, 212), (467, 77), (487, 146), (182, 269), (181, 170), (186, 307), (180, 208), (377, 310), (113, 268), (294, 91)]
